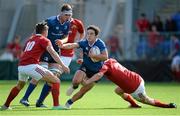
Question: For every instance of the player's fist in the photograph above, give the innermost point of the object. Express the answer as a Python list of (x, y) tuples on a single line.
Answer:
[(66, 69), (59, 43)]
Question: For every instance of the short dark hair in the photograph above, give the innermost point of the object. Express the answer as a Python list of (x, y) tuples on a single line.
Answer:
[(95, 28), (40, 27), (66, 7)]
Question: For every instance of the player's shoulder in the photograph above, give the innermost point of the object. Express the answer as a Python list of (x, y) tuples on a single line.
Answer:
[(42, 38), (83, 41), (100, 41), (51, 20), (76, 22)]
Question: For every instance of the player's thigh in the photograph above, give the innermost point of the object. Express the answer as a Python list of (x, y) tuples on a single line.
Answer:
[(37, 72), (78, 77), (44, 64), (140, 93)]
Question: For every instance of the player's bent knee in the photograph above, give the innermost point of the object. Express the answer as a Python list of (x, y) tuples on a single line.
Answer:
[(77, 80), (20, 85), (118, 91), (51, 78), (56, 80)]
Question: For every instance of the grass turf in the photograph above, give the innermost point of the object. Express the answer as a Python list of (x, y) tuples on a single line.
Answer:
[(101, 100)]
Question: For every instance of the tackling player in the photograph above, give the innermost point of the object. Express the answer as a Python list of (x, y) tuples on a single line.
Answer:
[(29, 65), (129, 85)]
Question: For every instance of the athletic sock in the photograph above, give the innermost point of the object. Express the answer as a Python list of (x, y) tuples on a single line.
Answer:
[(160, 104), (29, 90), (44, 93), (70, 102), (130, 99), (14, 92), (55, 93)]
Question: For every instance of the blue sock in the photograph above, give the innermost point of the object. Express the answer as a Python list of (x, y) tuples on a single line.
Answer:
[(45, 91), (29, 90), (70, 102)]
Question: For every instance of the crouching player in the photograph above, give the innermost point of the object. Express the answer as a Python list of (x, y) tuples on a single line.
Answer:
[(130, 85), (29, 65)]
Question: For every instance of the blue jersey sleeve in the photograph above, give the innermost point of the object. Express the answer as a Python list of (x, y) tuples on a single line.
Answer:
[(101, 45)]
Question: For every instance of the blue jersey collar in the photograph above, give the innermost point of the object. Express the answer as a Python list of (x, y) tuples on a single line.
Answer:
[(93, 43)]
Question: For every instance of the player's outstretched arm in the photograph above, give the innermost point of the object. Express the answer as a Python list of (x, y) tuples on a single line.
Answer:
[(56, 57), (62, 41), (96, 77), (69, 46)]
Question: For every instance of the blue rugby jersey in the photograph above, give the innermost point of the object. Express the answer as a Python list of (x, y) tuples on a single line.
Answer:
[(57, 30), (92, 66)]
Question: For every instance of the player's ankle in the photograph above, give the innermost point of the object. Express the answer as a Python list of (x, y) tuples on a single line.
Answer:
[(75, 86)]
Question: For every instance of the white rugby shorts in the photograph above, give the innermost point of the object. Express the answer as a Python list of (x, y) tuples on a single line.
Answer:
[(139, 90), (34, 71)]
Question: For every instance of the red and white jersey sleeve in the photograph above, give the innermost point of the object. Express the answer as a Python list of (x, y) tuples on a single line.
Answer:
[(76, 26), (127, 80), (34, 48)]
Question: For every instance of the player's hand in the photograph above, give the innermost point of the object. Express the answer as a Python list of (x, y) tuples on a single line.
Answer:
[(92, 55), (59, 43), (79, 61), (66, 69)]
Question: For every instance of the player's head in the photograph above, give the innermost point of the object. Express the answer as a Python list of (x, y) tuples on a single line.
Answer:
[(42, 28), (66, 11), (92, 32)]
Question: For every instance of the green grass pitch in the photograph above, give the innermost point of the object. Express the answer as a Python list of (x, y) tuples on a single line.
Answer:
[(100, 101)]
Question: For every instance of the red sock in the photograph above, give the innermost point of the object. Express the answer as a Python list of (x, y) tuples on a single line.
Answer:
[(14, 92), (55, 93), (130, 99), (160, 104)]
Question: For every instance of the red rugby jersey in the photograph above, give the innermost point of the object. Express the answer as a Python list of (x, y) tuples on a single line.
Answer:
[(127, 80), (34, 48), (75, 26)]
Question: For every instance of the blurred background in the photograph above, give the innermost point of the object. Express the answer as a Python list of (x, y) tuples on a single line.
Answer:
[(143, 35)]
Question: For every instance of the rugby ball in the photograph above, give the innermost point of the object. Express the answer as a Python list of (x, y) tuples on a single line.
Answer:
[(96, 51)]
